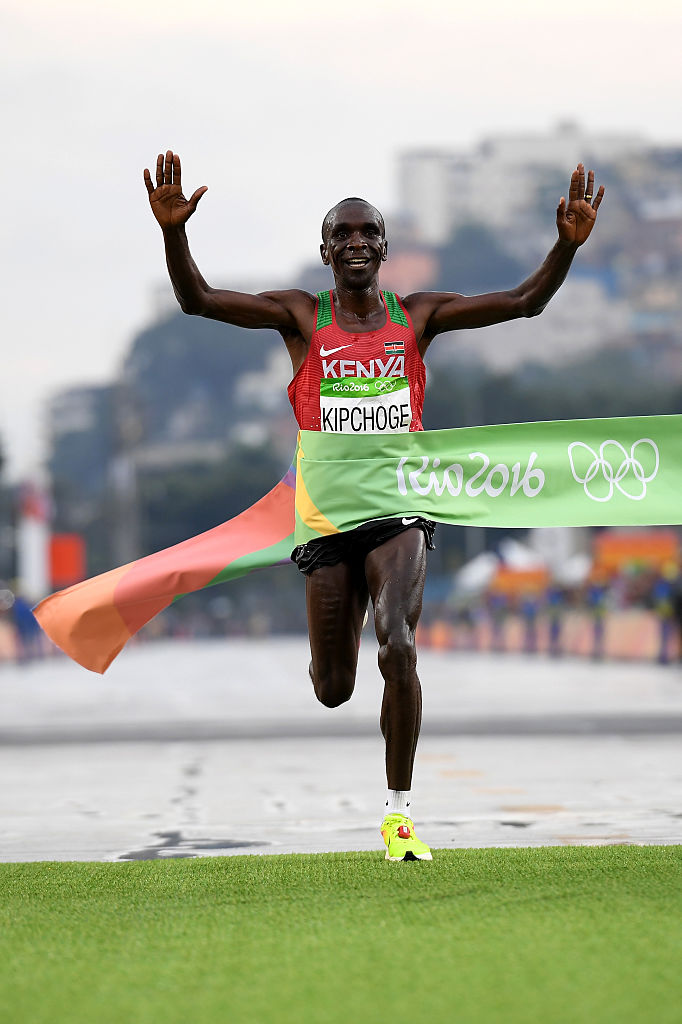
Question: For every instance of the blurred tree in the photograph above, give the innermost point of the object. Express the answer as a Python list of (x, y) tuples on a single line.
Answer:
[(182, 373), (178, 503), (607, 383), (474, 261)]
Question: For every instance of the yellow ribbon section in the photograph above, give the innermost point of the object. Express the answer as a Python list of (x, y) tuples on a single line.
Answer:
[(306, 508)]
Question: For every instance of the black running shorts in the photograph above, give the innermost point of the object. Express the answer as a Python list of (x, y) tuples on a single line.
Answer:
[(355, 545)]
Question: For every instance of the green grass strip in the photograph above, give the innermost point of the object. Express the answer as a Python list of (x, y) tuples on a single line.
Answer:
[(523, 935)]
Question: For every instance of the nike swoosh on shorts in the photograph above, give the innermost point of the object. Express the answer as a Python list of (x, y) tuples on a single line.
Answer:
[(330, 351)]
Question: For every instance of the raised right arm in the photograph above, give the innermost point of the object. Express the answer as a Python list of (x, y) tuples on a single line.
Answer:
[(283, 310)]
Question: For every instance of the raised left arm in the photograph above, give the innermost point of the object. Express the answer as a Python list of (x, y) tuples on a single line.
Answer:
[(437, 312)]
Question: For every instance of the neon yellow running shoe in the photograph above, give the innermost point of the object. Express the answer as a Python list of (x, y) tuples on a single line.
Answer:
[(401, 842)]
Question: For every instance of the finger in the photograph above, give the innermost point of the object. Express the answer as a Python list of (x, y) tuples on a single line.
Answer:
[(168, 169), (581, 181), (561, 209), (589, 188), (159, 170), (148, 181), (177, 174), (196, 196), (573, 188), (598, 198)]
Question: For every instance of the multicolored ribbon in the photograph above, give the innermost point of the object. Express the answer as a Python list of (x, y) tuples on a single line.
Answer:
[(92, 621)]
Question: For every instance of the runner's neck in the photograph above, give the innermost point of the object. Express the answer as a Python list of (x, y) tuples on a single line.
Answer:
[(358, 307)]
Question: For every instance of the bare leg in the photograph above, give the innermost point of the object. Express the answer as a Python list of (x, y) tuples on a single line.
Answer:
[(395, 574), (336, 597)]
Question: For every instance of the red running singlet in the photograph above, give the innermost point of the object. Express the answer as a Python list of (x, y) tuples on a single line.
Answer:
[(360, 383)]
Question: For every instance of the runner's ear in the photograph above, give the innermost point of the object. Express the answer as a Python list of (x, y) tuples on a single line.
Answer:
[(384, 251), (324, 255)]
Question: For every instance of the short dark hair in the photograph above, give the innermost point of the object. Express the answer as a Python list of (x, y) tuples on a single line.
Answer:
[(350, 199)]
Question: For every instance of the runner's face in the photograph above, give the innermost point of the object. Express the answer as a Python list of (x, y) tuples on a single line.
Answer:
[(355, 245)]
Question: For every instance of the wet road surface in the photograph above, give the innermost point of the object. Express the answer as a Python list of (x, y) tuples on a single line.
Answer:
[(217, 748)]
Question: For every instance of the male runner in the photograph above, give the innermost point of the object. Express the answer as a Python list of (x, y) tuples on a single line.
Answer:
[(357, 331)]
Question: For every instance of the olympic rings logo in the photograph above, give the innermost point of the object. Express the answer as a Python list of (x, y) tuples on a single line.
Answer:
[(595, 471), (384, 386)]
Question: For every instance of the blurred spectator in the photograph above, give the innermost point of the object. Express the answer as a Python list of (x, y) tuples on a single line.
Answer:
[(29, 642), (677, 611), (663, 593), (555, 602), (596, 602), (497, 607), (7, 630), (530, 606)]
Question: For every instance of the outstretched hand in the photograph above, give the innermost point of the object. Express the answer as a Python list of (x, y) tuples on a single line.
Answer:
[(169, 205), (575, 220)]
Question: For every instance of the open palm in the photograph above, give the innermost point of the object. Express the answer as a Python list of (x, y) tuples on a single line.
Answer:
[(575, 220), (169, 205)]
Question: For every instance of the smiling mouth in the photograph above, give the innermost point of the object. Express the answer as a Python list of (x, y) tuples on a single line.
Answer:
[(359, 261)]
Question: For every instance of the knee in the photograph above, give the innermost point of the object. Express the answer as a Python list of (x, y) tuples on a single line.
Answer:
[(334, 686), (398, 657)]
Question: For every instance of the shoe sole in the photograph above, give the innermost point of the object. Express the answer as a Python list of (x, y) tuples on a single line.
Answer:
[(410, 856)]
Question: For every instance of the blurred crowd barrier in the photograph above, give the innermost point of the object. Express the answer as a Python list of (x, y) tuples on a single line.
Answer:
[(630, 633), (636, 633), (621, 599)]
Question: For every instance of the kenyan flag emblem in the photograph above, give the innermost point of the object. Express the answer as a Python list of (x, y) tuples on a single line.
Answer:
[(394, 348)]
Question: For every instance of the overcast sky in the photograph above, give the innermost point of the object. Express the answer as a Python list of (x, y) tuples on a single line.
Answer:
[(281, 109)]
